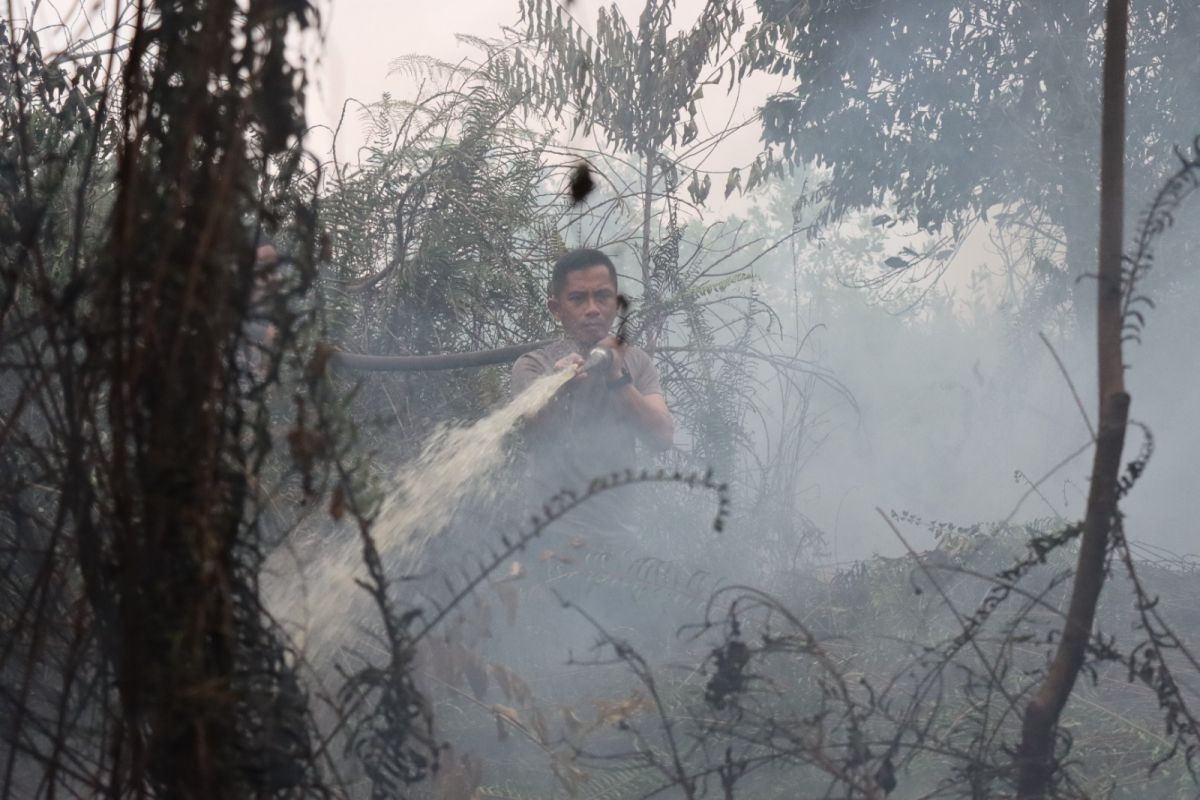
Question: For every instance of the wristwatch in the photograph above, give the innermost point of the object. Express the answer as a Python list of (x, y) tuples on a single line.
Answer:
[(624, 379)]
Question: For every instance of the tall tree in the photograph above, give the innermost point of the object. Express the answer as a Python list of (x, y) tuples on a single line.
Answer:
[(136, 406), (1036, 753), (952, 110)]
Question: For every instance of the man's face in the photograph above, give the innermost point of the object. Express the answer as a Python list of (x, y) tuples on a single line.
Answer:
[(587, 304)]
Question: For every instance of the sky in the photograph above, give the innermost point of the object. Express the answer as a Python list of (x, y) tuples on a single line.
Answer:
[(362, 37)]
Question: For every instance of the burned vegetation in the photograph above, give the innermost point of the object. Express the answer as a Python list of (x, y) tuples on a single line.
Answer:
[(262, 517)]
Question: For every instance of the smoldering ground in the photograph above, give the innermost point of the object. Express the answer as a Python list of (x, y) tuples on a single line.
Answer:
[(897, 421)]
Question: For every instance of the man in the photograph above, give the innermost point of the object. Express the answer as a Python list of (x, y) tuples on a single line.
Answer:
[(591, 426)]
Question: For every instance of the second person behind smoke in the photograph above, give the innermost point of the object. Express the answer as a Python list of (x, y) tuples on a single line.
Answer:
[(597, 421)]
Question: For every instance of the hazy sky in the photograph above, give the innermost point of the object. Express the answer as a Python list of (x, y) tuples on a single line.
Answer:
[(364, 36)]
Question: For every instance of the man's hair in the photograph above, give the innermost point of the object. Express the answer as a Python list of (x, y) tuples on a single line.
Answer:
[(575, 260)]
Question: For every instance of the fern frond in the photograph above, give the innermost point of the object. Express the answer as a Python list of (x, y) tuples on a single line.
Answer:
[(1158, 218), (417, 66)]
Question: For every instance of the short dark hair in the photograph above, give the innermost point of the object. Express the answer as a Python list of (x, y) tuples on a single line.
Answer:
[(575, 260)]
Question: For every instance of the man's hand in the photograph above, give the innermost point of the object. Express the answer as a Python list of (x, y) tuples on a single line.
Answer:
[(572, 360), (618, 360)]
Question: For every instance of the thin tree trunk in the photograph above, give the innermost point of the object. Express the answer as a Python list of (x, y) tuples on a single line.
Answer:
[(652, 327), (1035, 756), (647, 207)]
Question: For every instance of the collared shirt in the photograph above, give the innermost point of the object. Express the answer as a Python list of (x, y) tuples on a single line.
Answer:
[(583, 434)]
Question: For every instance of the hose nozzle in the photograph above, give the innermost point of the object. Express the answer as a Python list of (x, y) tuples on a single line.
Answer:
[(599, 357)]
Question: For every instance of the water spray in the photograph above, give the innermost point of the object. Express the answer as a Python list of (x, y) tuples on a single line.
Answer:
[(455, 463)]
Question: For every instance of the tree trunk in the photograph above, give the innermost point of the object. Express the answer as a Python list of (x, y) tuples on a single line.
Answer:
[(1035, 757), (648, 298), (647, 207)]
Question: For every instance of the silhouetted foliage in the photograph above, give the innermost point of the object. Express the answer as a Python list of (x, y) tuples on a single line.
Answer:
[(950, 112), (141, 404)]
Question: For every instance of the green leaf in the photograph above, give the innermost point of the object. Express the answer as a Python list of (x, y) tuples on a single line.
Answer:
[(756, 175), (734, 181), (689, 131)]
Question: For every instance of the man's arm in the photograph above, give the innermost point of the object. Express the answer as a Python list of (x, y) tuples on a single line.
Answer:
[(650, 416), (642, 398), (525, 370)]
